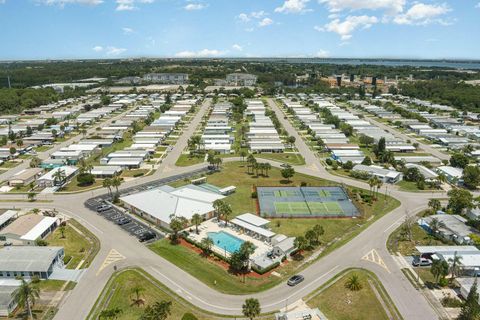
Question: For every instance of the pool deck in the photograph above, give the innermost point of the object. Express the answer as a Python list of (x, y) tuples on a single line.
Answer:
[(261, 248)]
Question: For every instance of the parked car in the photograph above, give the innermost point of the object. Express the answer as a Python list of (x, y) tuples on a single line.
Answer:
[(421, 262), (146, 236), (296, 279), (123, 221), (103, 207)]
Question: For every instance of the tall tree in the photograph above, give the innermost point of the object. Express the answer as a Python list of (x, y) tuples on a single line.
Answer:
[(251, 308), (25, 295), (197, 220), (470, 309)]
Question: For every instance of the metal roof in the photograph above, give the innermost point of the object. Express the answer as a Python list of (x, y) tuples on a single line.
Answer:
[(28, 258)]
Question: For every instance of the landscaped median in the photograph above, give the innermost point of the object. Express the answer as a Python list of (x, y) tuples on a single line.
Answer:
[(214, 270), (132, 290), (354, 294)]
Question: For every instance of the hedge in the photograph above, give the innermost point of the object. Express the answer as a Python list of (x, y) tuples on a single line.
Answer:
[(265, 270)]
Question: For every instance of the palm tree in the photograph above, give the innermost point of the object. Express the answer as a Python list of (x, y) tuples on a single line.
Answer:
[(62, 231), (137, 290), (217, 162), (371, 183), (110, 313), (456, 261), (196, 220), (435, 225), (31, 196), (379, 185), (25, 296), (353, 283), (251, 308), (267, 167), (107, 183), (116, 182), (207, 245), (434, 204), (59, 176), (217, 205), (226, 212), (243, 153)]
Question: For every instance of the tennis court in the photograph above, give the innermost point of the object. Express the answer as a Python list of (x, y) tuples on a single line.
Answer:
[(305, 202)]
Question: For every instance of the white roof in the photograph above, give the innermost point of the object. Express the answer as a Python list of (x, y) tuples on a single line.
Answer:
[(183, 202), (253, 219), (69, 170), (40, 228), (248, 226), (451, 171), (7, 215), (446, 249)]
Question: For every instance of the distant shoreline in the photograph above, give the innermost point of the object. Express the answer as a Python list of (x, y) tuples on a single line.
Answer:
[(457, 64)]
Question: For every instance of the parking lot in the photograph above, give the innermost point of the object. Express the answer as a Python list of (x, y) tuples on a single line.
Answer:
[(127, 222)]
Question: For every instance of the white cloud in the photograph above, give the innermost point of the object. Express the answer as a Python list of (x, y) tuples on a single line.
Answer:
[(2, 1), (293, 6), (127, 30), (348, 26), (128, 5), (421, 14), (265, 22), (243, 17), (114, 51), (258, 14), (97, 48), (322, 54), (62, 3), (478, 5), (205, 53), (389, 6), (195, 6), (237, 47)]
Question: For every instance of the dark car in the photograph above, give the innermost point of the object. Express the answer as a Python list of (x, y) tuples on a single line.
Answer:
[(103, 207), (123, 221), (421, 262), (146, 236), (296, 279)]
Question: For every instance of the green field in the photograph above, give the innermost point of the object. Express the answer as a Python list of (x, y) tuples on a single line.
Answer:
[(118, 294), (340, 303)]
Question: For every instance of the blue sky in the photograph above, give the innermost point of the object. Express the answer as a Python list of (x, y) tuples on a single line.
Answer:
[(53, 29)]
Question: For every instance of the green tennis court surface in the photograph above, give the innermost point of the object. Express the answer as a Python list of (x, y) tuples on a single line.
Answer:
[(291, 208), (325, 207)]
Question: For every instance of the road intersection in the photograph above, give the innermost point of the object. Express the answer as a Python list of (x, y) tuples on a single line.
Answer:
[(77, 304)]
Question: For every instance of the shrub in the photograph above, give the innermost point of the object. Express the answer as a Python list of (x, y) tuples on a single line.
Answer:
[(265, 270), (85, 179), (138, 174), (329, 161), (189, 316), (254, 195)]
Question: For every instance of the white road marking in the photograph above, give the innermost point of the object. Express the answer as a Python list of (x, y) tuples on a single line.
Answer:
[(396, 223)]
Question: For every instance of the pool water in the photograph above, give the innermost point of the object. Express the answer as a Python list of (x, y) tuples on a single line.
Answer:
[(225, 241)]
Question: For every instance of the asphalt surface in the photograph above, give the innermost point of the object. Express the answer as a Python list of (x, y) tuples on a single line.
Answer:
[(78, 302)]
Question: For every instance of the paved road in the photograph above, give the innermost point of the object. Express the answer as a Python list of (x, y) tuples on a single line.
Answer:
[(410, 303)]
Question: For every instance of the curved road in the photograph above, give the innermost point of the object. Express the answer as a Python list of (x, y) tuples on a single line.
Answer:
[(79, 301)]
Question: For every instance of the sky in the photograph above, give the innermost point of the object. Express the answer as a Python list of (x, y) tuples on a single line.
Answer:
[(73, 29)]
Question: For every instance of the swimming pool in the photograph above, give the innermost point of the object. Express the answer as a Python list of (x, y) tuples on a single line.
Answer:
[(225, 241)]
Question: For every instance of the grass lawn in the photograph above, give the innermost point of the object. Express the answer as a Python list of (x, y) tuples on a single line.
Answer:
[(186, 160), (133, 173), (412, 186), (43, 148), (54, 285), (340, 230), (340, 303), (77, 246), (294, 159), (420, 237), (74, 186), (10, 164), (118, 294)]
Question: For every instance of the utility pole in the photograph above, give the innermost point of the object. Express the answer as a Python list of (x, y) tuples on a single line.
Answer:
[(9, 84)]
